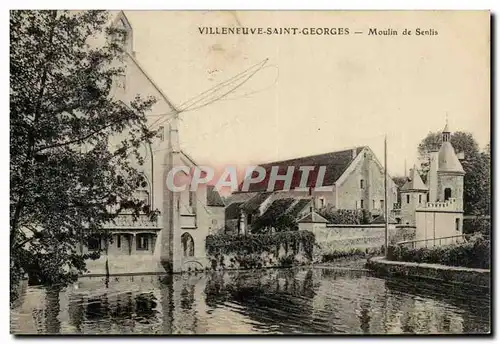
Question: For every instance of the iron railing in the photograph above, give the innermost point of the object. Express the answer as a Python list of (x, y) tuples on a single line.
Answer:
[(441, 241)]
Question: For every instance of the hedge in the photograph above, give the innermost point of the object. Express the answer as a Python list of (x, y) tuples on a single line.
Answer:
[(474, 253)]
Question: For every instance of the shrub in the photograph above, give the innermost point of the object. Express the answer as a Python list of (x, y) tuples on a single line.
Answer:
[(345, 216), (351, 253), (474, 253)]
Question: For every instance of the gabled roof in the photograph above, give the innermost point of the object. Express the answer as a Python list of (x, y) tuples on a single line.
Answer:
[(253, 204), (276, 209), (335, 162), (298, 207), (414, 182), (313, 218), (213, 197)]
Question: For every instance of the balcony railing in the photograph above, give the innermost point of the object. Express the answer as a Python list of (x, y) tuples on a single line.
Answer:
[(127, 221)]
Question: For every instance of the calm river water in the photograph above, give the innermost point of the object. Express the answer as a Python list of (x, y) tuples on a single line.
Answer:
[(252, 302)]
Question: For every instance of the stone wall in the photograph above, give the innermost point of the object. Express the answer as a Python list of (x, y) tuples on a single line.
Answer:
[(283, 249), (335, 238), (434, 272)]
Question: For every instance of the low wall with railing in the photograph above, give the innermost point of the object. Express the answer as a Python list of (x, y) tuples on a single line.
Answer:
[(332, 239)]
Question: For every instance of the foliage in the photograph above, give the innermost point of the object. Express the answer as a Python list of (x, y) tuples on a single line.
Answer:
[(474, 253), (351, 254), (287, 261), (64, 174), (224, 244), (345, 216), (275, 218), (477, 167), (474, 225)]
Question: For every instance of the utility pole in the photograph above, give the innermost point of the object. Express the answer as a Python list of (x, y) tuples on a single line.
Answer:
[(386, 203)]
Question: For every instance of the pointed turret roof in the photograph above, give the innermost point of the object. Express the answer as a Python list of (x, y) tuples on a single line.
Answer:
[(447, 159), (414, 182)]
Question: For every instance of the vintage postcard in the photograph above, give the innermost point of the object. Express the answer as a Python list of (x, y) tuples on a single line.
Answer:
[(250, 172)]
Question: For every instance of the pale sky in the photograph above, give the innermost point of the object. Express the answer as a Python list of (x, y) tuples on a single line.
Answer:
[(320, 93)]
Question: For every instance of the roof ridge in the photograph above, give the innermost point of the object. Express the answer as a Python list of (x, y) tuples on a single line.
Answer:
[(312, 156)]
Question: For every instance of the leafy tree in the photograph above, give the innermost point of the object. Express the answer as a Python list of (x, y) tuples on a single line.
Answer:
[(476, 166), (64, 174)]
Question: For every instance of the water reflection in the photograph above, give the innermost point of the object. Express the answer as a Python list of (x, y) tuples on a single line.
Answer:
[(268, 301)]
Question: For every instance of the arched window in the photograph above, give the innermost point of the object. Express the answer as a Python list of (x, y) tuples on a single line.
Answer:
[(187, 245), (447, 194), (142, 192)]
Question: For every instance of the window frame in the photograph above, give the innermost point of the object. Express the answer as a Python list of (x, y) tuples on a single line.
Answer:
[(138, 243)]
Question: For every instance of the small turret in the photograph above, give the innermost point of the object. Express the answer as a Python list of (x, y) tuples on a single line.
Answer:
[(450, 172)]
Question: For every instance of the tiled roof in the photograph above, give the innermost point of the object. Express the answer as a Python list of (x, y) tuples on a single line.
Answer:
[(335, 162), (313, 218), (414, 181), (298, 207), (253, 204), (213, 197), (276, 209)]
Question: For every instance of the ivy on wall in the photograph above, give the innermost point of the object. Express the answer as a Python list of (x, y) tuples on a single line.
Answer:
[(225, 244)]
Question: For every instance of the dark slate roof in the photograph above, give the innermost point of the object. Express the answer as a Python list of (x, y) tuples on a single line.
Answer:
[(298, 207), (277, 208), (232, 211), (313, 218), (253, 204), (336, 163), (213, 197)]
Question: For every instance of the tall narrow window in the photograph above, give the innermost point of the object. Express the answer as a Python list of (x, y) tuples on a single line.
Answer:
[(419, 198), (447, 194), (457, 225), (362, 204), (362, 184), (407, 198), (142, 242), (118, 241), (373, 204), (249, 219), (381, 204)]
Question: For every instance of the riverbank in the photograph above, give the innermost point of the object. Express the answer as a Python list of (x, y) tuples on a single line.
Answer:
[(434, 272)]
